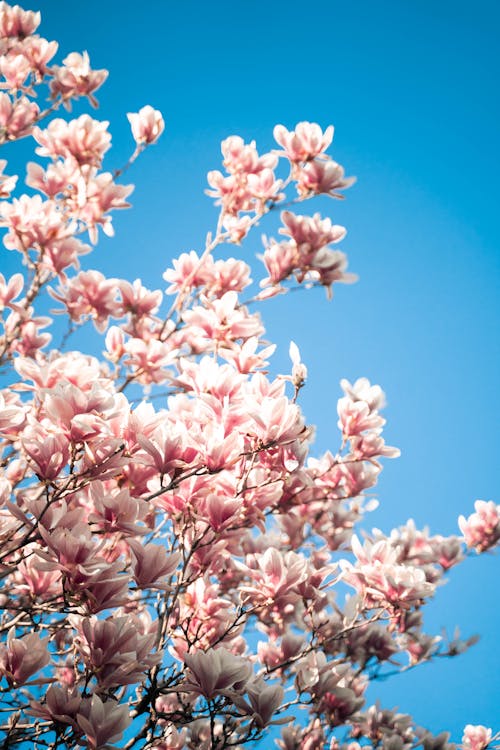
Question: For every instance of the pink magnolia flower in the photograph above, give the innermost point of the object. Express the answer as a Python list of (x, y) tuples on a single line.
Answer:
[(151, 563), (75, 78), (264, 186), (12, 414), (137, 300), (224, 320), (237, 227), (32, 223), (16, 22), (241, 157), (362, 390), (114, 649), (261, 702), (15, 69), (39, 583), (20, 658), (149, 360), (248, 358), (231, 192), (86, 140), (147, 125), (16, 116), (188, 271), (277, 420), (47, 451), (7, 184), (481, 529), (55, 178), (39, 52), (356, 417), (476, 737), (97, 194), (116, 510), (171, 738), (90, 294), (61, 705), (214, 671), (322, 177), (310, 233), (274, 576), (305, 142), (225, 276), (102, 722)]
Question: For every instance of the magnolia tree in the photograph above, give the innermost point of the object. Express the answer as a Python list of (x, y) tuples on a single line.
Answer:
[(176, 571)]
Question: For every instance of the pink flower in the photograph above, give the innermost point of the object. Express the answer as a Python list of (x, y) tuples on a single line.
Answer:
[(322, 177), (188, 271), (84, 139), (102, 722), (151, 563), (15, 69), (224, 320), (76, 78), (115, 650), (481, 529), (261, 702), (47, 451), (137, 300), (241, 157), (16, 22), (476, 737), (20, 658), (12, 415), (16, 117), (305, 142), (91, 295), (310, 233), (61, 705), (214, 671), (7, 184), (355, 417), (147, 125)]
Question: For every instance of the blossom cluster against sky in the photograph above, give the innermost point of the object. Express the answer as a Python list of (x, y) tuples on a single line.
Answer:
[(411, 90)]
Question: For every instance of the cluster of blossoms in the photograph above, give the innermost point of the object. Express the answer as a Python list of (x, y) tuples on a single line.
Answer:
[(143, 546)]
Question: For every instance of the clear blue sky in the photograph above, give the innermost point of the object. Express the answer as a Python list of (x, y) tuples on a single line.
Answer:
[(412, 88)]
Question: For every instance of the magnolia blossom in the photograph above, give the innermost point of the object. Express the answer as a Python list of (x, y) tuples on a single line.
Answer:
[(20, 658), (213, 671), (481, 529), (476, 737), (75, 78), (305, 142), (147, 125)]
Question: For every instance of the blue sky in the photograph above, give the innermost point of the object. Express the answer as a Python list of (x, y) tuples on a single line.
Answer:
[(411, 88)]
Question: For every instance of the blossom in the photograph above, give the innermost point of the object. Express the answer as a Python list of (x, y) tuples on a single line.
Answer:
[(17, 22), (481, 529), (84, 139), (75, 78), (476, 737), (90, 294), (7, 184), (20, 658), (151, 562), (322, 177), (147, 125), (305, 142), (214, 671), (16, 116), (102, 722), (261, 703), (115, 650)]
